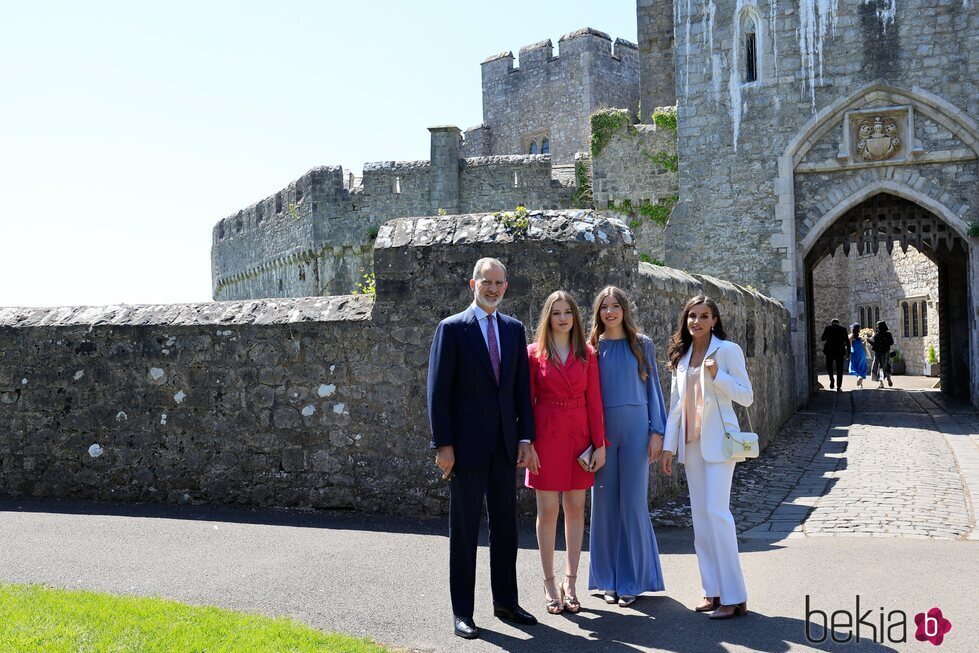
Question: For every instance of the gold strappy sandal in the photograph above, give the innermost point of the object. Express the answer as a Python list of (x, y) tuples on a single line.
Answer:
[(570, 601)]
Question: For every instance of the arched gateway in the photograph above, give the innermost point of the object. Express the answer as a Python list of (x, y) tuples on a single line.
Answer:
[(887, 167)]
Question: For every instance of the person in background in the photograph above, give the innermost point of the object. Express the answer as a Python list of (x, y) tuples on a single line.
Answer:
[(881, 343), (835, 349), (858, 355)]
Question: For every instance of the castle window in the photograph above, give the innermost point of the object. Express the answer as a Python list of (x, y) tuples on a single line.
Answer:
[(278, 203), (259, 214), (516, 179), (533, 147), (397, 185), (750, 51), (924, 318), (863, 317), (914, 319), (545, 146), (876, 314), (906, 313)]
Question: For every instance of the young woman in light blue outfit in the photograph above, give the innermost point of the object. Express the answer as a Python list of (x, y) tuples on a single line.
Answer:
[(858, 355), (624, 556)]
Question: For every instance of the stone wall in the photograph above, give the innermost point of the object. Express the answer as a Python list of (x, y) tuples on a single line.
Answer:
[(883, 282), (315, 236), (752, 153), (625, 170), (314, 402), (553, 96)]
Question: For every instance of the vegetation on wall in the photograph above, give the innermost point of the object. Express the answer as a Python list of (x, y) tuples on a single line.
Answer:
[(367, 285), (582, 198), (658, 213), (665, 118), (604, 123), (646, 258), (973, 229), (516, 222)]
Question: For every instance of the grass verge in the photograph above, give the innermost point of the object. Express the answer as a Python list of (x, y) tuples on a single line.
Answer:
[(36, 619)]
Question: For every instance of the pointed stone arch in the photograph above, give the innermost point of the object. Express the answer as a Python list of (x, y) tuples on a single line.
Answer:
[(800, 232)]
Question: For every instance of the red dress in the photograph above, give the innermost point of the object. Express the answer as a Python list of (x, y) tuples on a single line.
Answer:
[(567, 418)]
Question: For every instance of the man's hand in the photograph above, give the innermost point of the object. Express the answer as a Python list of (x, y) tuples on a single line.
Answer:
[(445, 458), (527, 457), (666, 463), (655, 448), (597, 459)]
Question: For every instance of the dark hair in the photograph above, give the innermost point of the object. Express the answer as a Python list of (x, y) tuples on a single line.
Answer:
[(882, 326), (855, 329), (628, 324), (681, 340)]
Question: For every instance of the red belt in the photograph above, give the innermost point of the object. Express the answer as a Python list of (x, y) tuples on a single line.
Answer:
[(557, 402)]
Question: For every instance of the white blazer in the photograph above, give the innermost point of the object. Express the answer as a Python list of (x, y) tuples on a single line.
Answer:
[(731, 385)]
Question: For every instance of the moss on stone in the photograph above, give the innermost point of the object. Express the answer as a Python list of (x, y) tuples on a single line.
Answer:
[(604, 123)]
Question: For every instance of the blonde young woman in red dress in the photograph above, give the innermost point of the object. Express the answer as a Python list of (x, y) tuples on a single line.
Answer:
[(567, 399)]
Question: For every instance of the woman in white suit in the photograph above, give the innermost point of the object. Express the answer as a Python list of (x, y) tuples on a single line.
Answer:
[(709, 375)]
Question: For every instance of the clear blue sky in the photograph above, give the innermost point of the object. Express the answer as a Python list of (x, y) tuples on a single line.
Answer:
[(127, 129)]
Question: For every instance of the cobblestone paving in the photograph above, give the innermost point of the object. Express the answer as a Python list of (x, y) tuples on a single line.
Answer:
[(879, 463)]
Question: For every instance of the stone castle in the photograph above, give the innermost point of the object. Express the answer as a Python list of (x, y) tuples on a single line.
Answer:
[(805, 131), (822, 154)]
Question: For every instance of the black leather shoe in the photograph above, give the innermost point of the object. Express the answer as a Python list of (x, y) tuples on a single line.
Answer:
[(465, 627), (516, 614)]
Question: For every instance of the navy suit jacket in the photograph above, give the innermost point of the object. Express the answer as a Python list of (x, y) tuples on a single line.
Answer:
[(467, 408)]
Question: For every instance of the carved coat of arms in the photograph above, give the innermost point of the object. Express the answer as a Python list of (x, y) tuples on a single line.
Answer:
[(878, 139)]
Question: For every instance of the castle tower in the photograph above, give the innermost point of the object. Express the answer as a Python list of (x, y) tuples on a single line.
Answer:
[(657, 79), (445, 168)]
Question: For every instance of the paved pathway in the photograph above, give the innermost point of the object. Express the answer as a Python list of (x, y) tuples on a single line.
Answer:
[(870, 462), (840, 468)]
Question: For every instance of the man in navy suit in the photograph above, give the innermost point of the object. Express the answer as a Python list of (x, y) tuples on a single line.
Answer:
[(482, 426)]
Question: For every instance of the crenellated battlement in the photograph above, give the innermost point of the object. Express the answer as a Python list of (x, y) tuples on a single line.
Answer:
[(315, 236), (297, 200), (534, 58), (526, 107)]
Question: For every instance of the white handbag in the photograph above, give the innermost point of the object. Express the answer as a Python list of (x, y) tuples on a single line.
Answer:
[(738, 445)]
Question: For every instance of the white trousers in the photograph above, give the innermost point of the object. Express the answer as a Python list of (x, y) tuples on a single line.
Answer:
[(714, 537)]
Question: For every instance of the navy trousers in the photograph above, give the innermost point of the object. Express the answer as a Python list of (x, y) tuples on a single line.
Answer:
[(496, 482)]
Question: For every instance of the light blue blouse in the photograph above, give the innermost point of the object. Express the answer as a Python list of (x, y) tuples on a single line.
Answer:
[(621, 384)]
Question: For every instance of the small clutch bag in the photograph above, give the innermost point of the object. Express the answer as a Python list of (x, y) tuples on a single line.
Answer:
[(584, 458)]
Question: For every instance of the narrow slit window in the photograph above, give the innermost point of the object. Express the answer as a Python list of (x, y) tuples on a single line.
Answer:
[(863, 317), (533, 147), (397, 185), (924, 318), (914, 319), (545, 147), (876, 315), (516, 179), (750, 51), (907, 319)]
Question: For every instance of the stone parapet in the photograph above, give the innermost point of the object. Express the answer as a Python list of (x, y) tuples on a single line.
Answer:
[(313, 402)]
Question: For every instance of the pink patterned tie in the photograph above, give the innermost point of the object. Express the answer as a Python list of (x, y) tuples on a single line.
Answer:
[(494, 349)]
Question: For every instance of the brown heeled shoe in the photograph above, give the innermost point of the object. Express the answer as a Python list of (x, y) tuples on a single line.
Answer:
[(708, 604), (729, 611)]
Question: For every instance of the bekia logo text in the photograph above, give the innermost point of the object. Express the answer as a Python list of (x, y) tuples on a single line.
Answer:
[(879, 626)]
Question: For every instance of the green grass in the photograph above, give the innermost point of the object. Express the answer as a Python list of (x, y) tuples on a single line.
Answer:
[(38, 619)]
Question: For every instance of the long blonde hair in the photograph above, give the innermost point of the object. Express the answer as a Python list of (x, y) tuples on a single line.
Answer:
[(632, 332), (543, 337)]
